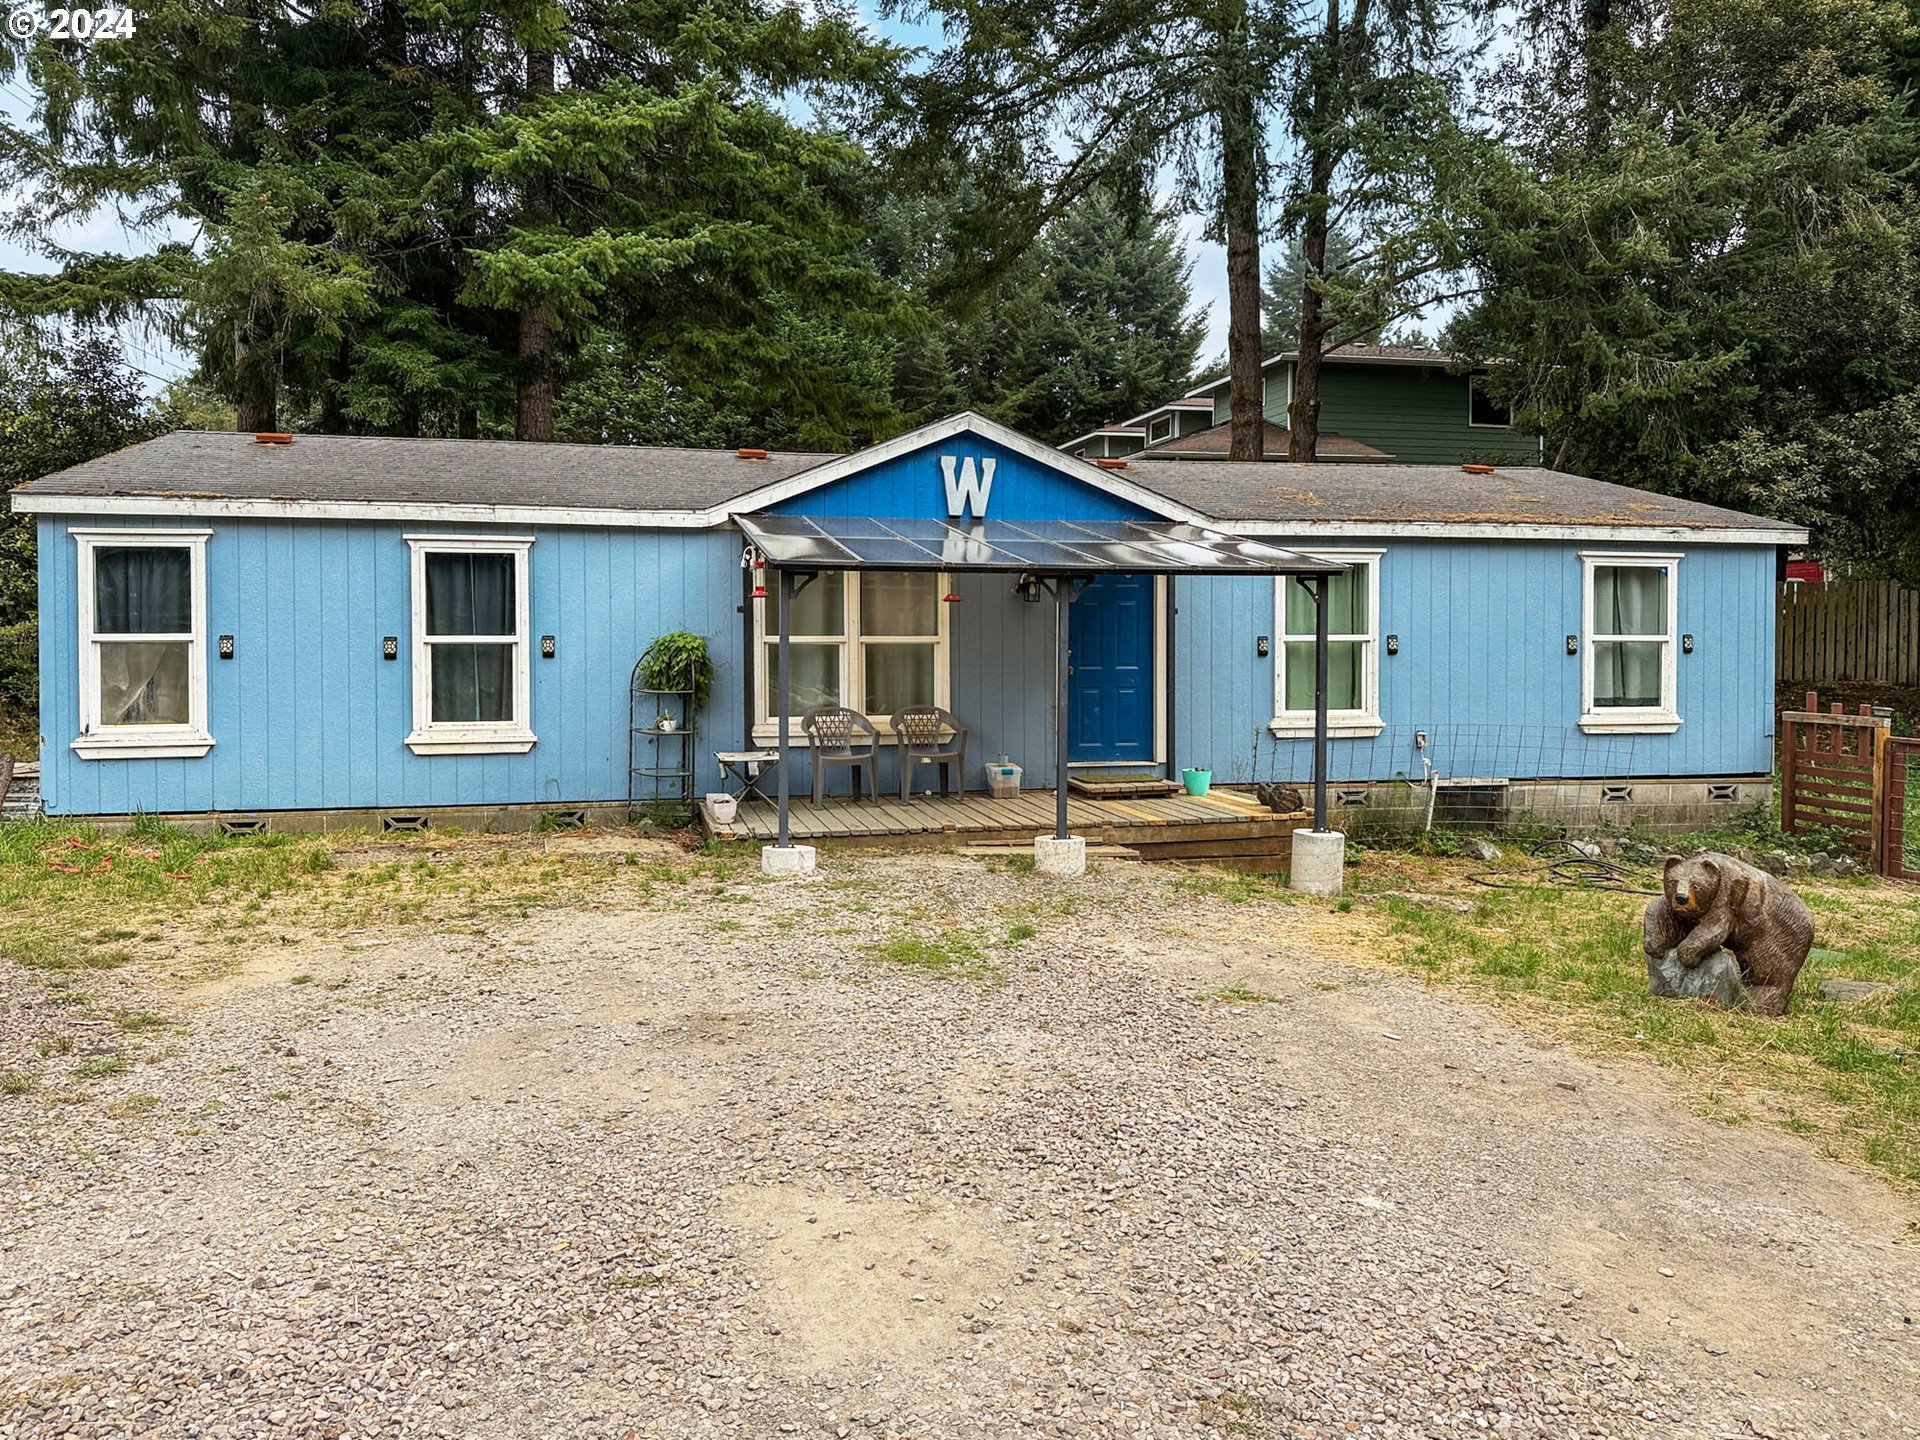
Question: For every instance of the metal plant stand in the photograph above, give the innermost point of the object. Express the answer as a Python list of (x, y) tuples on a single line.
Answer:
[(660, 748)]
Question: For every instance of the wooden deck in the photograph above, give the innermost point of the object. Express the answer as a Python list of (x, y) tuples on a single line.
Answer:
[(1224, 826)]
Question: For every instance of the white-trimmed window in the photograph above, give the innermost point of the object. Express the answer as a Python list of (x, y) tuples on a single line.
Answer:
[(873, 640), (143, 644), (1353, 649), (471, 674), (1630, 610), (1483, 411), (1159, 428)]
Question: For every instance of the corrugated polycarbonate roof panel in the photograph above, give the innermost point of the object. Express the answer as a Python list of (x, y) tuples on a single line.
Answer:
[(1050, 547)]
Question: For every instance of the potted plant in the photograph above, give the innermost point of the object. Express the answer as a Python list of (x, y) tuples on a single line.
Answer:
[(1198, 780), (678, 661)]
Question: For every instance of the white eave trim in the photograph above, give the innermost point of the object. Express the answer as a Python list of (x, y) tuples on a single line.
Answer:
[(1454, 530), (31, 502), (1085, 472)]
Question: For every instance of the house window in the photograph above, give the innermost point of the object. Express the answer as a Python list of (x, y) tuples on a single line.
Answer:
[(143, 644), (875, 640), (1630, 610), (1353, 650), (1483, 411), (471, 690), (1159, 428)]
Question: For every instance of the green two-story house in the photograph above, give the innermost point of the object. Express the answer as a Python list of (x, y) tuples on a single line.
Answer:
[(1377, 403)]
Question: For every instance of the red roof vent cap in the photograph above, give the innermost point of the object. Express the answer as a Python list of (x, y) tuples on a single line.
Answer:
[(272, 437), (747, 452), (1478, 469), (1107, 462)]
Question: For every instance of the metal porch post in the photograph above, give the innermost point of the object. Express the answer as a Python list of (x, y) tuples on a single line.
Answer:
[(1320, 702), (1062, 596), (784, 588)]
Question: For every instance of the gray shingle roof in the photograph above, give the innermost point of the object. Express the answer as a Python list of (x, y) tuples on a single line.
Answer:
[(192, 465), (1397, 494), (445, 472)]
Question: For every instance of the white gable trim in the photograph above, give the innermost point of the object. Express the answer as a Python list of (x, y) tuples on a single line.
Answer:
[(1084, 472)]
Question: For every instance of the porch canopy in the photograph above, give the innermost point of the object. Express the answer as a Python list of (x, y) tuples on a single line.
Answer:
[(1061, 556)]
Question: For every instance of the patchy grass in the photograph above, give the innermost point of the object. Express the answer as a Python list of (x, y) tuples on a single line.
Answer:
[(1020, 932), (1236, 887), (100, 1067), (951, 954), (1845, 1075), (75, 900), (641, 1281), (140, 1020), (1239, 995), (15, 1082)]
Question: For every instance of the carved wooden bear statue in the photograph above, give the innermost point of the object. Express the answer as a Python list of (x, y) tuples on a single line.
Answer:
[(1714, 901)]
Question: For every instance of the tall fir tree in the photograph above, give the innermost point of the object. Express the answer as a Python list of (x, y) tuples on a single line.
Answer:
[(1703, 263), (1054, 102), (415, 216), (1094, 321)]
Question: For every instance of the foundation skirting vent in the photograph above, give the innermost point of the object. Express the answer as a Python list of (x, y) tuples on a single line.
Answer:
[(1351, 797), (1616, 794), (403, 824), (1723, 794), (244, 825)]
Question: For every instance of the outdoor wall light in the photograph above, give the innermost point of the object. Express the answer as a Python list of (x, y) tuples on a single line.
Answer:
[(1686, 644), (546, 647), (1393, 644), (1027, 587), (390, 647), (226, 647), (1573, 644), (1261, 647)]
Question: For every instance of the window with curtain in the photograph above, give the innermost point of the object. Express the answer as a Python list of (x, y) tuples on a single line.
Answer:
[(143, 633), (873, 639), (143, 663), (1352, 643), (470, 645), (1630, 635)]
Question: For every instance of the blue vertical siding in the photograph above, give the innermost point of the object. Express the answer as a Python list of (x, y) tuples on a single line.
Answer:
[(307, 715), (1483, 669), (911, 487)]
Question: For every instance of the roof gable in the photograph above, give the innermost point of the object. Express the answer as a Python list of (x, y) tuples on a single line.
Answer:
[(967, 458)]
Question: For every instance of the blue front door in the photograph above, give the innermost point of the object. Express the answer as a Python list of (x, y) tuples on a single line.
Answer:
[(1110, 693)]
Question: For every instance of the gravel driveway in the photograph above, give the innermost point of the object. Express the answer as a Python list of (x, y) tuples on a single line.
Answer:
[(711, 1168)]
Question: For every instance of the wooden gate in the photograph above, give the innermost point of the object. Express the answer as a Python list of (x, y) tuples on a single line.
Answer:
[(1832, 774), (1900, 813)]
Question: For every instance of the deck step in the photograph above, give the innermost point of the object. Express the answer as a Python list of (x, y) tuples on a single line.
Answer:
[(1122, 790), (1009, 848)]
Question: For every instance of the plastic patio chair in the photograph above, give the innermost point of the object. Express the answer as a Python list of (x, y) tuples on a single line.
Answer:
[(919, 729), (839, 736)]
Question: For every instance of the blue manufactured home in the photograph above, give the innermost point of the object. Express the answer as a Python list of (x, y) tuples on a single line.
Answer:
[(360, 626)]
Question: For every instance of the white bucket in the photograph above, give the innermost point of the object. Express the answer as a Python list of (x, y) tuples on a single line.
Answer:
[(723, 807)]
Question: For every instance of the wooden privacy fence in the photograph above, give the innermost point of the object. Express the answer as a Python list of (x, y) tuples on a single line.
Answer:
[(1832, 773), (1864, 632)]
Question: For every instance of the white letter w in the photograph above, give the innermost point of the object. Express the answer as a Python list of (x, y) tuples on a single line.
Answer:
[(967, 490)]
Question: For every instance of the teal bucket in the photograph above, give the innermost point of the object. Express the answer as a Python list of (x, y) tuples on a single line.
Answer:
[(1198, 782)]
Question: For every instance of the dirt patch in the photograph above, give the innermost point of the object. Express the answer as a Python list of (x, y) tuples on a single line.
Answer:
[(865, 1282)]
